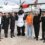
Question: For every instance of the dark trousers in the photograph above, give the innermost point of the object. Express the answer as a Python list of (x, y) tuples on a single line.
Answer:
[(0, 30), (6, 32), (36, 30), (43, 32), (44, 35), (12, 32), (19, 30)]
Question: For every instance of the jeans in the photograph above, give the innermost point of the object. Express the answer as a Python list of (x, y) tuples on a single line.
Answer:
[(29, 30)]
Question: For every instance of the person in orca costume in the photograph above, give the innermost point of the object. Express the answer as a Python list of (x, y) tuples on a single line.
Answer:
[(20, 17)]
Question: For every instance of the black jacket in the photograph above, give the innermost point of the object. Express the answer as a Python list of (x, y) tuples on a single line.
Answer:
[(36, 19), (43, 20), (12, 22), (5, 22)]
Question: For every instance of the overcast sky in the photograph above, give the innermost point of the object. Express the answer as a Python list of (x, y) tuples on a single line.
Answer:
[(18, 1), (13, 2)]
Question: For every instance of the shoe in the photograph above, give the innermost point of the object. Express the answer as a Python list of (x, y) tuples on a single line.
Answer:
[(34, 37), (13, 35), (42, 39), (23, 34), (37, 39), (18, 34), (6, 36), (0, 39)]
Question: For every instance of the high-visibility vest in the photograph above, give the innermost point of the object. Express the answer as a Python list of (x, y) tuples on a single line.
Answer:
[(29, 19)]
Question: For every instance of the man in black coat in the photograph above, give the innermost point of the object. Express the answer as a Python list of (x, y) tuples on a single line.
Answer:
[(36, 23), (12, 24), (43, 26), (5, 22), (3, 17), (0, 23)]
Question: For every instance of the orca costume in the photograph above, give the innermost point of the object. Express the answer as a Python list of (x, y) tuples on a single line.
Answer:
[(20, 23)]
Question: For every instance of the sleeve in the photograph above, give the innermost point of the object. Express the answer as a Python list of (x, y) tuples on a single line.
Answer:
[(16, 17), (40, 13), (25, 17), (42, 19), (2, 20), (39, 16)]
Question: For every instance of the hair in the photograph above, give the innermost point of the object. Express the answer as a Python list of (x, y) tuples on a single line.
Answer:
[(1, 12), (20, 12), (15, 13)]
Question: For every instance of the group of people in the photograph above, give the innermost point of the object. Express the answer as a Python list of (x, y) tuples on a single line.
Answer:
[(21, 17)]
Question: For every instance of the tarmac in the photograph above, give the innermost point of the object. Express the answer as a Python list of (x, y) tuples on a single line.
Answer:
[(21, 40)]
